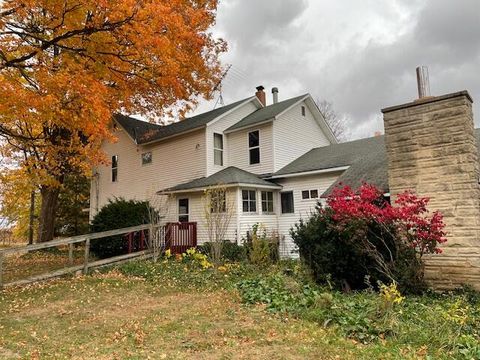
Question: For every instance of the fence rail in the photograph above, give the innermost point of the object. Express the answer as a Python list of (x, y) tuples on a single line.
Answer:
[(70, 241)]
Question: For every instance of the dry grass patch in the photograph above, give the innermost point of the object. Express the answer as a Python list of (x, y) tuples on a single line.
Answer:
[(117, 317)]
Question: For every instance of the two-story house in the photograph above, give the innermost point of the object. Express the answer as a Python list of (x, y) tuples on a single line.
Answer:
[(275, 161)]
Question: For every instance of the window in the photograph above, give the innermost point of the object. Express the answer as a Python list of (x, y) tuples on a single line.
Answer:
[(218, 201), (249, 200), (114, 168), (254, 147), (147, 158), (267, 202), (183, 210), (218, 149), (286, 198), (309, 194), (303, 110)]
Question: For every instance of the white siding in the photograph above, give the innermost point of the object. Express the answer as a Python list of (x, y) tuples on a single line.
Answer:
[(294, 135), (247, 220), (302, 208), (238, 154), (220, 126), (197, 213), (174, 161)]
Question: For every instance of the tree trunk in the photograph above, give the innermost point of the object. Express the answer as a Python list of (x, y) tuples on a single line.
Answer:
[(49, 197)]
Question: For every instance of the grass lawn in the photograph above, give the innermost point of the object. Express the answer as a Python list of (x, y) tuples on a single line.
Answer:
[(174, 310), (20, 267)]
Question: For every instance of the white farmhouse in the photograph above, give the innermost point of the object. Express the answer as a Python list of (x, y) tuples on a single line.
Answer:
[(276, 162)]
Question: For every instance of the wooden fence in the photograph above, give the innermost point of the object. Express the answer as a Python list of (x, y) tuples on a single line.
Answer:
[(70, 241)]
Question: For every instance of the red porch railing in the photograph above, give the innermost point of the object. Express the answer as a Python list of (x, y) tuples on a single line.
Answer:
[(180, 236)]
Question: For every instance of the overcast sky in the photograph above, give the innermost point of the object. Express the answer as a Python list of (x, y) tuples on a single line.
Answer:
[(360, 55)]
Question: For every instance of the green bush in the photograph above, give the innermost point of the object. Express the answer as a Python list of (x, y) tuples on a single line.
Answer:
[(262, 247), (118, 213), (333, 258), (230, 251)]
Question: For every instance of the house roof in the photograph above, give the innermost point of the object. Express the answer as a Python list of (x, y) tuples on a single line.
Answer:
[(266, 113), (366, 160), (144, 132), (335, 155), (228, 176)]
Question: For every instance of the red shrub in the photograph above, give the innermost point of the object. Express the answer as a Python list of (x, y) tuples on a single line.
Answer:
[(416, 226)]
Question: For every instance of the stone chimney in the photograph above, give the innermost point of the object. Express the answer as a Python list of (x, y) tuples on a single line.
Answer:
[(432, 150), (260, 94)]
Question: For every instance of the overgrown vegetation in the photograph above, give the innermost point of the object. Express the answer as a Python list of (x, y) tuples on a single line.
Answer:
[(359, 239), (262, 247), (284, 312), (230, 251)]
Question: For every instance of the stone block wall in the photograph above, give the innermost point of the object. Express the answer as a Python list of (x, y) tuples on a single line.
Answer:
[(432, 149)]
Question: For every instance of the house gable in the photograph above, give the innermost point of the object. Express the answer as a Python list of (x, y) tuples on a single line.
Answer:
[(297, 130), (219, 125)]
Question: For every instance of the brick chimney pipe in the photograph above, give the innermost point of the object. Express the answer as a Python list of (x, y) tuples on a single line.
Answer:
[(260, 94)]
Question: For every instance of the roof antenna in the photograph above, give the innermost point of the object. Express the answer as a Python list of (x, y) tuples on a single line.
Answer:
[(218, 87)]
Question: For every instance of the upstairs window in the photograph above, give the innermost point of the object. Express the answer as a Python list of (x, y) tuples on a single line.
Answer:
[(267, 202), (286, 199), (114, 168), (254, 147), (147, 158), (218, 149), (310, 194), (249, 201), (303, 110)]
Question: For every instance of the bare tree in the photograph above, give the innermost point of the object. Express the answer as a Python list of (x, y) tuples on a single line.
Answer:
[(218, 211), (157, 212), (337, 122)]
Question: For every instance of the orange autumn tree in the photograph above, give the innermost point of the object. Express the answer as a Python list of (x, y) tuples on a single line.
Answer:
[(67, 65)]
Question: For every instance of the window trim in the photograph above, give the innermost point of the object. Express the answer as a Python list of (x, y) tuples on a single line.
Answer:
[(187, 214), (249, 201), (151, 158), (114, 169), (253, 148), (267, 201), (293, 202), (218, 149)]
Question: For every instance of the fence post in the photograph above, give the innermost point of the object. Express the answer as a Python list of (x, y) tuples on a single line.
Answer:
[(1, 271), (87, 253), (70, 254)]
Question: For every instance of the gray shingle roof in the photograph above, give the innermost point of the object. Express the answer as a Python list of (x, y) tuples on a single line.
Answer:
[(366, 158), (266, 113), (335, 155), (144, 132), (228, 176)]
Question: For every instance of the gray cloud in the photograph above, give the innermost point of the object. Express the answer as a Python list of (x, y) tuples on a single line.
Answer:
[(361, 55)]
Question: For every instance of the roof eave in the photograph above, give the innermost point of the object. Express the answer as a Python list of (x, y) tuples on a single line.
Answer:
[(173, 135), (311, 172), (203, 188), (326, 127), (249, 126)]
